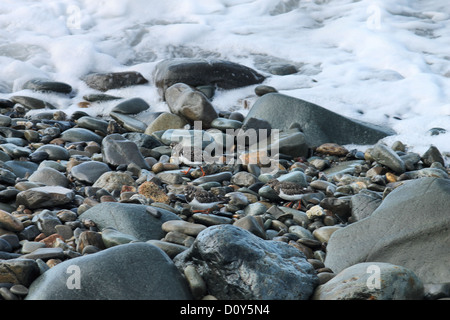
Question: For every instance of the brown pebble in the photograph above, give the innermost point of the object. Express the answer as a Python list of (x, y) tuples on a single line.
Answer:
[(50, 240), (390, 177), (332, 149), (53, 262)]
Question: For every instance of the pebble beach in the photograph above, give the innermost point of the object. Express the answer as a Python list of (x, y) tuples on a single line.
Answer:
[(94, 205)]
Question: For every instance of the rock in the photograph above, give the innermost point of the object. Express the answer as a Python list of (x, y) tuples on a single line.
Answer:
[(250, 223), (93, 124), (107, 81), (42, 197), (15, 151), (409, 223), (54, 152), (171, 249), (198, 72), (192, 229), (131, 219), (166, 121), (112, 237), (18, 271), (332, 149), (261, 90), (10, 222), (294, 145), (129, 123), (150, 276), (80, 135), (244, 179), (345, 167), (318, 124), (360, 282), (89, 172), (32, 103), (117, 150), (49, 177), (143, 140), (387, 157), (224, 124), (47, 85), (131, 106), (364, 204), (7, 177), (323, 234), (190, 104), (21, 168), (260, 269), (112, 180), (44, 254), (432, 155)]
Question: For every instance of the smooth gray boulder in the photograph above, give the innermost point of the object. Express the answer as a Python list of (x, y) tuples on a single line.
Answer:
[(117, 150), (409, 229), (372, 281), (135, 271), (236, 264), (132, 219), (114, 80), (317, 123)]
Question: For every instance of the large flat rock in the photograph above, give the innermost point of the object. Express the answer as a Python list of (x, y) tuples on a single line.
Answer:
[(409, 229)]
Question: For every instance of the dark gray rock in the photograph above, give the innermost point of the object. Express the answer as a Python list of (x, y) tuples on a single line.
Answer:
[(89, 171), (117, 150), (317, 123), (432, 155), (132, 219), (42, 197), (18, 271), (80, 135), (32, 103), (47, 85), (49, 177), (408, 229), (7, 176), (129, 123), (93, 124), (199, 72), (131, 106), (388, 157), (143, 140), (135, 271), (54, 152), (358, 282), (236, 265), (107, 81)]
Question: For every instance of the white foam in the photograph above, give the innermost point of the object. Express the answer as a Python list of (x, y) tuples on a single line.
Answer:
[(375, 60)]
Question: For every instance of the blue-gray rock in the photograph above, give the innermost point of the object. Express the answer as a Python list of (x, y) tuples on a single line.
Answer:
[(131, 106), (80, 135), (408, 229), (129, 123), (135, 271), (372, 281), (54, 152), (89, 171), (132, 219), (107, 81), (32, 103), (91, 123), (47, 85), (7, 177), (143, 140), (238, 265), (200, 72), (49, 177), (117, 150), (364, 204), (317, 123), (21, 168)]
